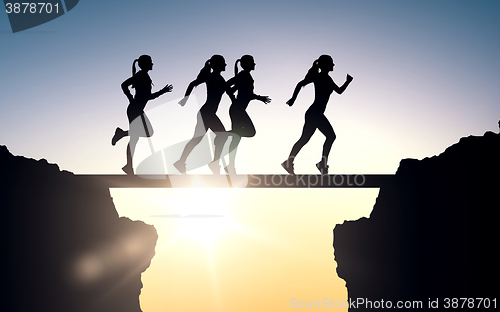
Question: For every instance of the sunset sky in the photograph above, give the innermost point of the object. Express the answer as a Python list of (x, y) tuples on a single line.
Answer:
[(425, 75)]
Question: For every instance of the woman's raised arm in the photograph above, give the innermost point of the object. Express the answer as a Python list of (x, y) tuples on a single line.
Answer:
[(342, 88)]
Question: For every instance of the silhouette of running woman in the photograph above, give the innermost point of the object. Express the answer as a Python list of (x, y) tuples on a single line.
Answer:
[(314, 117), (242, 125), (142, 84), (210, 74)]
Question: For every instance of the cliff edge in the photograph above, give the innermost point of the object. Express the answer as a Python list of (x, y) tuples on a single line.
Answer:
[(64, 248), (433, 232)]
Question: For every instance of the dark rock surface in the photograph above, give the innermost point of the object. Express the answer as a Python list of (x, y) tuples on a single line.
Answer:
[(433, 233), (64, 248)]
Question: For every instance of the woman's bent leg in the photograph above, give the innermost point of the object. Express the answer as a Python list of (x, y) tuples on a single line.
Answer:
[(307, 132), (199, 132), (326, 128), (233, 147), (220, 136), (128, 168)]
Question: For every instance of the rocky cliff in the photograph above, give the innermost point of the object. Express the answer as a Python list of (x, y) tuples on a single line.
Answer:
[(64, 248), (433, 233)]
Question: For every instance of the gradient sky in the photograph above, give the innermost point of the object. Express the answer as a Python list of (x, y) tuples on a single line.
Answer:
[(425, 75)]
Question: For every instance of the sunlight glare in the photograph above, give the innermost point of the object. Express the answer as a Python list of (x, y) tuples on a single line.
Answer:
[(203, 214)]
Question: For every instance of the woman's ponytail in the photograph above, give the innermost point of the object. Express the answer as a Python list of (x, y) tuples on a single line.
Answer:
[(205, 70), (313, 70), (236, 66), (134, 70)]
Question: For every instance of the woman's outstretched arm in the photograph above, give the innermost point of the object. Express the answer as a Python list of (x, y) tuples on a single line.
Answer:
[(342, 88), (167, 88), (263, 98)]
